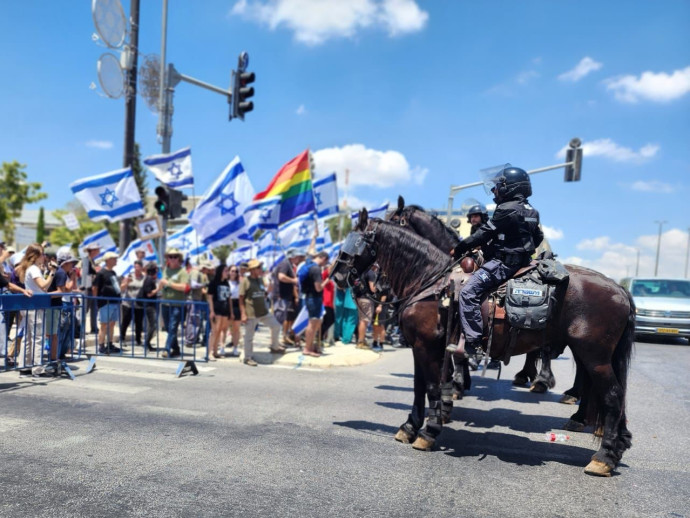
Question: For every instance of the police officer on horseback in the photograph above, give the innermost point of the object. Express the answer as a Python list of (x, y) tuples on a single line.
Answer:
[(514, 234)]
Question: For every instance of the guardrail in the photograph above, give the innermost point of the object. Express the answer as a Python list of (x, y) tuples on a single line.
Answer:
[(38, 337)]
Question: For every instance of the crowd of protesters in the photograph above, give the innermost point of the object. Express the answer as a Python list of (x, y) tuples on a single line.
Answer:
[(183, 299)]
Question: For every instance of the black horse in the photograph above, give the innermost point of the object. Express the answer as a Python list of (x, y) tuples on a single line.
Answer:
[(429, 226), (602, 347)]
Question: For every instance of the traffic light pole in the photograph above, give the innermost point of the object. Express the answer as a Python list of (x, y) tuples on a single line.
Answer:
[(454, 189), (130, 110)]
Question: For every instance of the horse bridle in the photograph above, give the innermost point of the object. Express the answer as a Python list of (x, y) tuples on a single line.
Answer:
[(356, 243)]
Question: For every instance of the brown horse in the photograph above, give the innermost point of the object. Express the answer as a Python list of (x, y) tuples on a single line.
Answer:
[(602, 347), (432, 228)]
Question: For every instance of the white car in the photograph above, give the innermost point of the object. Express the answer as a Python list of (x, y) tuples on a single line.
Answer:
[(662, 305)]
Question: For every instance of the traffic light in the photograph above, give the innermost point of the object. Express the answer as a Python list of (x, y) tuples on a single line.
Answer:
[(574, 155), (176, 207), (162, 203), (241, 92)]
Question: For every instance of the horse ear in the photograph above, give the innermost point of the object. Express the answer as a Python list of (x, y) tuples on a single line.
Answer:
[(363, 219), (401, 202)]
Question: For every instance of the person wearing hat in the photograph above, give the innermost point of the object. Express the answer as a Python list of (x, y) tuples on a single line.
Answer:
[(254, 309), (175, 287), (196, 314), (88, 275), (65, 282), (108, 290), (5, 256)]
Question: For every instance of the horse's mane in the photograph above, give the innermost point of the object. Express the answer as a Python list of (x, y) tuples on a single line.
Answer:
[(436, 221), (411, 259)]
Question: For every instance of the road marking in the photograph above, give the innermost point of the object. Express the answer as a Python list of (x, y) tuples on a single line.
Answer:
[(114, 387), (9, 423), (162, 376), (164, 410)]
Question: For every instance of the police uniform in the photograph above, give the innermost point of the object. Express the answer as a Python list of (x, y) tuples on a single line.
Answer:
[(513, 234)]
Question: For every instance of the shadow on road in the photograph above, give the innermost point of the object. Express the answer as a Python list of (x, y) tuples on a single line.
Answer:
[(393, 387), (514, 449), (369, 427)]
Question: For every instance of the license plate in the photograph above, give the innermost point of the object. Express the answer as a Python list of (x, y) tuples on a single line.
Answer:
[(667, 330)]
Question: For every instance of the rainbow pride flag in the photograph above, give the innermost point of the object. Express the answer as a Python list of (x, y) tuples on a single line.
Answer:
[(294, 187)]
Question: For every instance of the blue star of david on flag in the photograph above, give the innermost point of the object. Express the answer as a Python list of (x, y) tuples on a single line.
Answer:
[(303, 230), (266, 214), (175, 170), (185, 243), (317, 197), (108, 198), (224, 209)]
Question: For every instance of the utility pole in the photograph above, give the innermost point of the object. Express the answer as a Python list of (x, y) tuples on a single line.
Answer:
[(658, 247), (130, 109), (687, 254)]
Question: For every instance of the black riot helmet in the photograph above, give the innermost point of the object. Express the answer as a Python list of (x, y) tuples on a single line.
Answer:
[(478, 209), (512, 181)]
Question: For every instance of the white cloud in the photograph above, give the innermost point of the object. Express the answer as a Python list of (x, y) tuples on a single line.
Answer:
[(315, 21), (650, 86), (618, 260), (652, 186), (552, 234), (100, 144), (301, 110), (368, 167), (356, 203), (582, 69), (607, 148)]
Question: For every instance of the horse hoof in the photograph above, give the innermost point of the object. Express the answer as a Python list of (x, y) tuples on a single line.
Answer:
[(403, 437), (599, 432), (567, 399), (574, 426), (598, 469), (519, 381), (539, 387), (423, 444)]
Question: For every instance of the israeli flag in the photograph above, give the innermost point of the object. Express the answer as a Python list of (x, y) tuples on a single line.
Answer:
[(125, 264), (297, 233), (173, 169), (268, 250), (111, 196), (262, 214), (378, 212), (300, 323), (219, 217), (242, 254), (187, 242), (102, 239), (326, 196), (333, 251)]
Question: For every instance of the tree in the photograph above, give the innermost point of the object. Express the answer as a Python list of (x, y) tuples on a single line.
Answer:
[(41, 226), (222, 253), (139, 174), (63, 236), (15, 192)]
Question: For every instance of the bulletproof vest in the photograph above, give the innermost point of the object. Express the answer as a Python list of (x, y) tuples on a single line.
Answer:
[(516, 224)]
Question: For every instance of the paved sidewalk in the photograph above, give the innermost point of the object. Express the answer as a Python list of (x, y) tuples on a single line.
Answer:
[(338, 355)]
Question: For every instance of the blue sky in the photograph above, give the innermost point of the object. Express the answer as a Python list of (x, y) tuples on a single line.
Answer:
[(411, 96)]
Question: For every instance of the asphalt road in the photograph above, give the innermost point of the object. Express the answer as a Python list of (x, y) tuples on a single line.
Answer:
[(130, 439)]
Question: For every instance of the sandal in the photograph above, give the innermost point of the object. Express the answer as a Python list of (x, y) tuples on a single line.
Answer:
[(311, 353)]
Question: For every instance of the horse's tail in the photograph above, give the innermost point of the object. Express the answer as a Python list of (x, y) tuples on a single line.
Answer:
[(622, 355)]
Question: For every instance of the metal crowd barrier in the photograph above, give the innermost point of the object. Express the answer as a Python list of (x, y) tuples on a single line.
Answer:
[(37, 337), (30, 327), (151, 321)]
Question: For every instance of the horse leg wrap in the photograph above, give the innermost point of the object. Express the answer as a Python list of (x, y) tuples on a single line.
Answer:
[(446, 401), (434, 422)]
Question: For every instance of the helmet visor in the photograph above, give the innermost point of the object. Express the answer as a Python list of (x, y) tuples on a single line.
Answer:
[(490, 176)]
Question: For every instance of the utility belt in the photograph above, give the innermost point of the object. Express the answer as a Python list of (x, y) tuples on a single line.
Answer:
[(513, 259)]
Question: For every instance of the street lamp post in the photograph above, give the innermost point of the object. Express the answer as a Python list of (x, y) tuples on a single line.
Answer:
[(658, 247), (574, 164)]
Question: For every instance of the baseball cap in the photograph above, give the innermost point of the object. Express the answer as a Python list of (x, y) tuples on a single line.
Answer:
[(92, 246), (110, 255), (67, 258)]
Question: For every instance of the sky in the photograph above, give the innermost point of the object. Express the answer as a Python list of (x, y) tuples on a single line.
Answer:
[(410, 96)]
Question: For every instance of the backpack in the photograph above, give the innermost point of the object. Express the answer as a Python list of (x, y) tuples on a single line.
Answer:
[(303, 275)]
